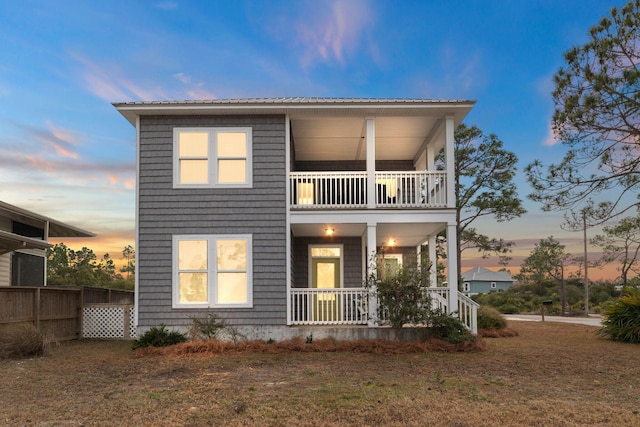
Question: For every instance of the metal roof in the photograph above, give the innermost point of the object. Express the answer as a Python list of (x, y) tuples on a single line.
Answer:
[(298, 100), (482, 274), (306, 106)]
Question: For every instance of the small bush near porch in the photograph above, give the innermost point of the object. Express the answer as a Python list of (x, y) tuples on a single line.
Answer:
[(551, 374), (403, 300)]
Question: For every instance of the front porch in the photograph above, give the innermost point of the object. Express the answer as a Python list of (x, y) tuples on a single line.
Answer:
[(350, 306)]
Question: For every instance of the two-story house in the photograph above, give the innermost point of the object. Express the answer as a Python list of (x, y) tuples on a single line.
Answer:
[(269, 212)]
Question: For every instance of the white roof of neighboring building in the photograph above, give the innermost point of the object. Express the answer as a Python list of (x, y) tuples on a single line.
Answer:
[(482, 274), (10, 241)]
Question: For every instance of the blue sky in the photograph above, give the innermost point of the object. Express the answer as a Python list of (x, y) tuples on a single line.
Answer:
[(67, 153)]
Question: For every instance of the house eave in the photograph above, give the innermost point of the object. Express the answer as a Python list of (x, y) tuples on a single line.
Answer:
[(56, 228), (300, 107)]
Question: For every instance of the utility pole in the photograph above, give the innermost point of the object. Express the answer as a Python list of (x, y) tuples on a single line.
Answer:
[(586, 264)]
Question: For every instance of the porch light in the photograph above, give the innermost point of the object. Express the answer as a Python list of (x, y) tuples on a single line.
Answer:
[(329, 231), (391, 242)]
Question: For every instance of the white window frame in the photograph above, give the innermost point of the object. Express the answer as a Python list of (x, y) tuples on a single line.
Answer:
[(212, 270), (212, 157), (493, 285), (466, 287)]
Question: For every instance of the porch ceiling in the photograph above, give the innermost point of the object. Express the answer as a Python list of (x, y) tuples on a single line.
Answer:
[(404, 234), (343, 138)]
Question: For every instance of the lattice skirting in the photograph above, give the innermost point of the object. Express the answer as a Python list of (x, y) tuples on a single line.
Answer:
[(108, 321)]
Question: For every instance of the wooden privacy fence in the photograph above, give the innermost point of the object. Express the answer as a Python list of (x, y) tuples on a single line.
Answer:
[(60, 313)]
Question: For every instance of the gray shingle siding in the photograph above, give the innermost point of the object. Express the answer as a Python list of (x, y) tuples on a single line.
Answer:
[(164, 211), (352, 259)]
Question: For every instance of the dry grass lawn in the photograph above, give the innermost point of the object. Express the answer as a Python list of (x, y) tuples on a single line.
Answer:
[(549, 375)]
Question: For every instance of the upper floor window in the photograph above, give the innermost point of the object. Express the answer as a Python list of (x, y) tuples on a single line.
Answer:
[(493, 285), (212, 157)]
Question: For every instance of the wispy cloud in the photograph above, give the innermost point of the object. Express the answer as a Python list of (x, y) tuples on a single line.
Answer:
[(51, 151), (550, 140), (195, 90), (110, 83), (330, 31), (460, 74)]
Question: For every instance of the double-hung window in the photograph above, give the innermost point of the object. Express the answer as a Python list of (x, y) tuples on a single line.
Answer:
[(212, 157), (212, 271)]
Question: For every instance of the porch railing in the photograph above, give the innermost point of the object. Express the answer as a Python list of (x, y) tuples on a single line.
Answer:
[(468, 312), (343, 190), (350, 306), (344, 306)]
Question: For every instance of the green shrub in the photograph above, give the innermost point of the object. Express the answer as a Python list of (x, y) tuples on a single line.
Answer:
[(490, 318), (401, 292), (622, 318), (22, 340), (159, 337), (449, 328), (207, 327)]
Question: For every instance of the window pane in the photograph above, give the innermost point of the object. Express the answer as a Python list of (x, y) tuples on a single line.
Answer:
[(326, 275), (232, 144), (329, 252), (193, 144), (232, 288), (192, 255), (232, 254), (194, 171), (232, 171), (193, 287)]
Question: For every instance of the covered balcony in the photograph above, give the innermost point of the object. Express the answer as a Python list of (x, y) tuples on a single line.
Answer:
[(348, 190), (382, 162)]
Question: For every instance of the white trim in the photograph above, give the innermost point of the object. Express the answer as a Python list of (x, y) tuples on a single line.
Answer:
[(493, 285), (287, 151), (136, 278), (212, 270), (310, 261), (212, 157)]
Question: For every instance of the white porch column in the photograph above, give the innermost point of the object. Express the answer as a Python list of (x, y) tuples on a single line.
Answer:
[(371, 163), (371, 272), (452, 266), (433, 258), (449, 153)]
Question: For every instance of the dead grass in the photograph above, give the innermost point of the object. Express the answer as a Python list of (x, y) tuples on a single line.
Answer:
[(549, 375), (497, 333), (297, 345)]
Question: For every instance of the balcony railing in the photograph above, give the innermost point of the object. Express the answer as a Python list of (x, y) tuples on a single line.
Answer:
[(344, 190)]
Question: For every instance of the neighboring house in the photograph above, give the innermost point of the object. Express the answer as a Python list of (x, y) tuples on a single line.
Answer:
[(479, 280), (24, 239), (269, 212)]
